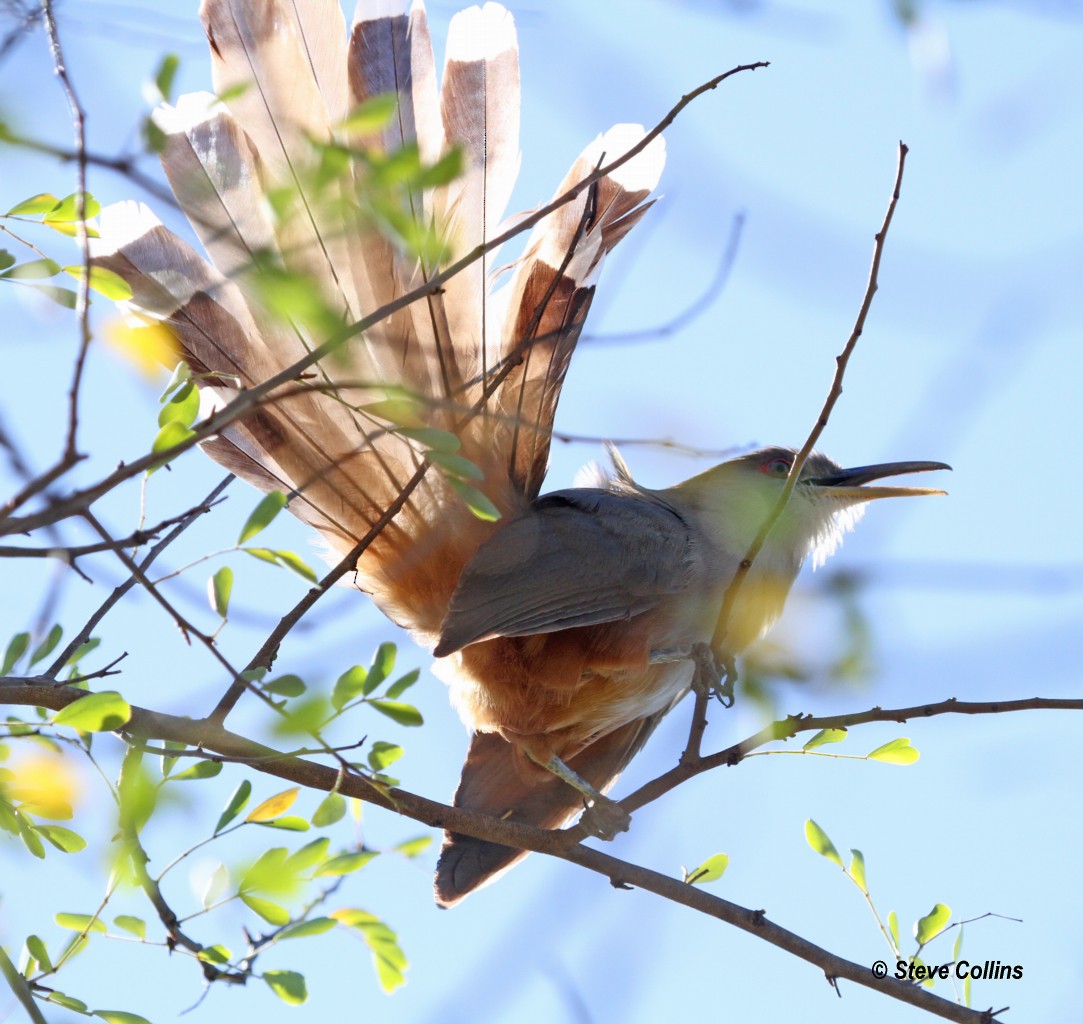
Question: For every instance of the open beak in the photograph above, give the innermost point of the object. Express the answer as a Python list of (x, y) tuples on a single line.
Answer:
[(846, 483)]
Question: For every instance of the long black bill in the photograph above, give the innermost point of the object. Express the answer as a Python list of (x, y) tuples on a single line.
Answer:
[(864, 474)]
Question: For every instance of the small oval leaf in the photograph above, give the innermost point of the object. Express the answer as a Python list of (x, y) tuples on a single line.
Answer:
[(932, 924), (289, 986), (96, 712), (273, 502), (896, 752), (825, 736), (819, 841)]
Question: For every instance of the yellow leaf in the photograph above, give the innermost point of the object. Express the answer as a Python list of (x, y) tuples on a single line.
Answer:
[(273, 806), (148, 347), (44, 786)]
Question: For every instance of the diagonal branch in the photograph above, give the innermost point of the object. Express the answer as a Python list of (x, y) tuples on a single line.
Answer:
[(42, 692)]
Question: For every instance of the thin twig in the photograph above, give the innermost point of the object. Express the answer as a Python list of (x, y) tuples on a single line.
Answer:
[(78, 115), (789, 727), (718, 641), (695, 309), (80, 500), (149, 724), (83, 635)]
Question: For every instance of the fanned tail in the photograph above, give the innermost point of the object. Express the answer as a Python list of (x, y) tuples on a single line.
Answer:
[(251, 170), (498, 780)]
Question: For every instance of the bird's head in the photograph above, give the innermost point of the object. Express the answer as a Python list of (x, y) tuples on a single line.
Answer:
[(826, 502)]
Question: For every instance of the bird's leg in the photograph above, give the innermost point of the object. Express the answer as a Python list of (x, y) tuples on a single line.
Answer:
[(712, 676), (603, 817)]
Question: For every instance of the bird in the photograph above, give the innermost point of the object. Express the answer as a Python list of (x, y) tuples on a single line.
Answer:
[(330, 174)]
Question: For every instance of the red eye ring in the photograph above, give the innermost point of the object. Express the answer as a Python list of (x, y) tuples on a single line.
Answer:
[(776, 467)]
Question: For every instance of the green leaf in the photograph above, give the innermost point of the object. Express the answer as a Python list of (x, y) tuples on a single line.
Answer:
[(273, 806), (235, 805), (263, 554), (181, 375), (272, 913), (81, 923), (303, 929), (818, 840), (133, 925), (413, 847), (82, 650), (61, 296), (272, 503), (432, 439), (710, 870), (6, 260), (219, 587), (30, 838), (285, 686), (32, 270), (68, 1002), (932, 924), (346, 863), (182, 406), (896, 752), (96, 712), (387, 956), (397, 711), (289, 986), (372, 115), (64, 839), (166, 73), (857, 869), (297, 564), (43, 202), (16, 649), (216, 954), (383, 664), (291, 823), (443, 172), (67, 210), (105, 282), (455, 465), (48, 645), (120, 1017), (332, 809), (349, 686), (958, 946), (401, 685), (36, 948), (308, 856), (825, 736), (480, 505), (893, 927), (200, 770), (169, 437), (383, 754)]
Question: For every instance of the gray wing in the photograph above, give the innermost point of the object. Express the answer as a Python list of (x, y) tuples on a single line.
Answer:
[(575, 558)]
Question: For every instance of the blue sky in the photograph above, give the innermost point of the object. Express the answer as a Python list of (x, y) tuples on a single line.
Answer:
[(971, 356)]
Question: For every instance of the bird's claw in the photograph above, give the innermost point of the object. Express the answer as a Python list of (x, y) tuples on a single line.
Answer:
[(713, 677), (605, 818)]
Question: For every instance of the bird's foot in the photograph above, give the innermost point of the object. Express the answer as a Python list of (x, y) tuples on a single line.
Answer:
[(605, 818), (712, 676), (602, 817)]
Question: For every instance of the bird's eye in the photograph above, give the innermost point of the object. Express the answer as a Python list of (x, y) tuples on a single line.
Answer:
[(776, 467)]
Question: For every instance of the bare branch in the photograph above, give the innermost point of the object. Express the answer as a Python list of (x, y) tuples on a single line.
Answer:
[(211, 736), (718, 642)]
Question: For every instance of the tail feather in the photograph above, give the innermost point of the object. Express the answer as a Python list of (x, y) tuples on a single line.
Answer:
[(497, 780), (257, 171)]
